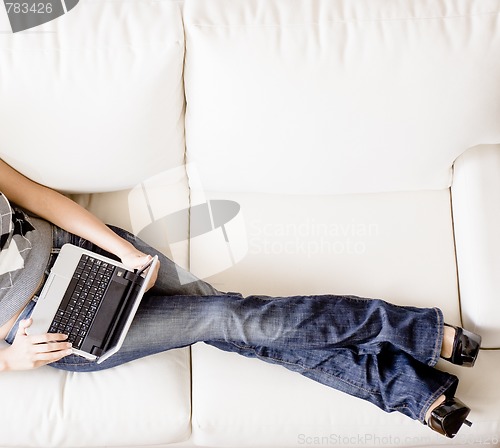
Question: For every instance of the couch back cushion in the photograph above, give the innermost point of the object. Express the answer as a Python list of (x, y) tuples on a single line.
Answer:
[(94, 100), (338, 96)]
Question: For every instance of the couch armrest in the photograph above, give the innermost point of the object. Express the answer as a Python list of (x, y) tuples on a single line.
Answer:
[(476, 216)]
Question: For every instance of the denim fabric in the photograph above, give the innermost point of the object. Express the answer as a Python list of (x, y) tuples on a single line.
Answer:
[(368, 348), (25, 314)]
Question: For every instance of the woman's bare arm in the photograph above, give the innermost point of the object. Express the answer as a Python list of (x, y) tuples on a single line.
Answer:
[(65, 213), (28, 352)]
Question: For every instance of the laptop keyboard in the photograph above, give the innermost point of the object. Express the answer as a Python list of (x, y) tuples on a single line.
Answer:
[(82, 299)]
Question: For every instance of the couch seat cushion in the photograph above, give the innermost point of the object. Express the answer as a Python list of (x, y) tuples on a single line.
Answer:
[(145, 402)]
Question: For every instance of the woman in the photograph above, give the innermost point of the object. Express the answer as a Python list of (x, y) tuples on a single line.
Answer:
[(371, 349)]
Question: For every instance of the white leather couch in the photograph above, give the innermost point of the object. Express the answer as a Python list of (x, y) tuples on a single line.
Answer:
[(359, 143)]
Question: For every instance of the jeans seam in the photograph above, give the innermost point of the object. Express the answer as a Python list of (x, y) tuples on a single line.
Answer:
[(84, 362)]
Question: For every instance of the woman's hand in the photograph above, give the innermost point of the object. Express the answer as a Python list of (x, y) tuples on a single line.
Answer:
[(135, 259), (33, 351)]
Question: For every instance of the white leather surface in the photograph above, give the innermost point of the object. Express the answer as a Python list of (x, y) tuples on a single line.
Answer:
[(396, 246), (242, 402), (476, 212), (145, 402), (93, 101), (338, 96), (325, 97)]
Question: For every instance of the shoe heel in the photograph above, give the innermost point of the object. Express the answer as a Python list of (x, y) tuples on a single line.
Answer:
[(466, 347), (448, 417)]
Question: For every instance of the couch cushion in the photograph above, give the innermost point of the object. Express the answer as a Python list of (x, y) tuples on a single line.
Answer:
[(94, 101), (397, 246), (338, 96), (476, 213), (145, 402), (268, 405)]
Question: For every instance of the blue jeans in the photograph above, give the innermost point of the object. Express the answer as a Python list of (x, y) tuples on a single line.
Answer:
[(368, 348)]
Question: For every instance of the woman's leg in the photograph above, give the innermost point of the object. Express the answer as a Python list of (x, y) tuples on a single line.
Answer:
[(355, 345), (365, 326), (391, 380), (320, 322)]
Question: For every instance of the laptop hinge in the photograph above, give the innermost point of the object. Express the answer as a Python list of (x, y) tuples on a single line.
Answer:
[(133, 277), (96, 351), (115, 311)]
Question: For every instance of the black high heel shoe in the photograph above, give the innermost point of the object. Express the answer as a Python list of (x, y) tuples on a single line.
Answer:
[(465, 347), (448, 417)]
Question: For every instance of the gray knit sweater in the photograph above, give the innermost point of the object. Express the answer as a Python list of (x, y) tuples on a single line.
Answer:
[(25, 244)]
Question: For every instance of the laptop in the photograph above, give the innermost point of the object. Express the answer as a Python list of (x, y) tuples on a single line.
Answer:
[(91, 298)]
